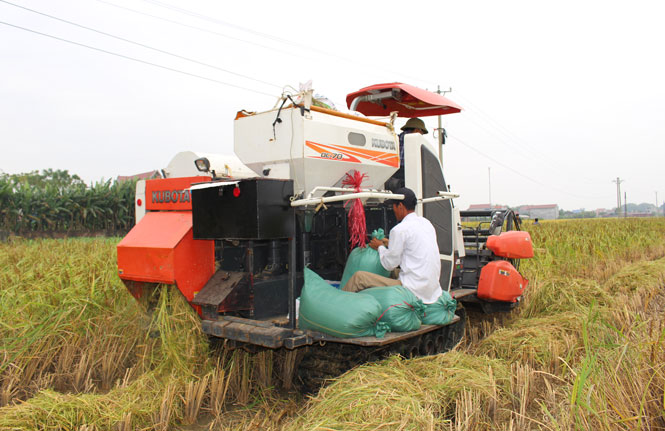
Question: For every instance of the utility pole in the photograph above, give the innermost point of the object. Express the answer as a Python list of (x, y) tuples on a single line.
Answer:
[(441, 131), (618, 183), (656, 204), (625, 205), (489, 181)]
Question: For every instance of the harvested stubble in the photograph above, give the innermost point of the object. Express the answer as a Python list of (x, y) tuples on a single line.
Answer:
[(619, 384), (589, 284), (418, 394), (539, 342), (563, 295), (641, 276)]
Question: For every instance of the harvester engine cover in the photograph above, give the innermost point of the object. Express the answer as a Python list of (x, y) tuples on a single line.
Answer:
[(514, 244), (500, 281)]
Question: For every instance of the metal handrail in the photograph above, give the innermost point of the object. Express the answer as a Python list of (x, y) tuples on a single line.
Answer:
[(442, 196), (339, 198)]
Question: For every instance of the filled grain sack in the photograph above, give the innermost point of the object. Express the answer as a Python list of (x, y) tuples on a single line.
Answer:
[(402, 310), (442, 311), (364, 259), (341, 314)]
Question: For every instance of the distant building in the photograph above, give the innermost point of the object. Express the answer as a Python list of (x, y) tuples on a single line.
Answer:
[(142, 176), (604, 212), (543, 212)]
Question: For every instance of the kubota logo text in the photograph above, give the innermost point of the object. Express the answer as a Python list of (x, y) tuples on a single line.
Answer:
[(382, 143), (170, 196)]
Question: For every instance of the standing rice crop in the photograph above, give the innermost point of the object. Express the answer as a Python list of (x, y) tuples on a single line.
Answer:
[(77, 351)]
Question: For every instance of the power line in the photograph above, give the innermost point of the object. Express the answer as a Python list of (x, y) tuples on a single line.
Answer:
[(262, 34), (136, 59), (499, 138), (197, 15), (141, 44), (194, 14), (512, 140), (500, 127), (495, 161), (546, 163), (518, 172), (227, 24), (201, 29), (526, 150), (191, 13), (257, 33)]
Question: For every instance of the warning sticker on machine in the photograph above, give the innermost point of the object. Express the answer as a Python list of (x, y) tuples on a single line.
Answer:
[(504, 272)]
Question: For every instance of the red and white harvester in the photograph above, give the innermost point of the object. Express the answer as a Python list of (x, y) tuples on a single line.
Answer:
[(233, 233)]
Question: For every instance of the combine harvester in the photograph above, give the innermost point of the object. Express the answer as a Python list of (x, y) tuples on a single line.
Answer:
[(234, 234)]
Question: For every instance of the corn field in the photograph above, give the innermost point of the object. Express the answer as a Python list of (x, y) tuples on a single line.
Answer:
[(584, 351), (55, 201)]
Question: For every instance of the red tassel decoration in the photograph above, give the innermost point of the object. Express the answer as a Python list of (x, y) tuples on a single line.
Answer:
[(357, 226)]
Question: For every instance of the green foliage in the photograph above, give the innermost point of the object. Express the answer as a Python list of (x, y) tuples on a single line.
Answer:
[(56, 201), (563, 214)]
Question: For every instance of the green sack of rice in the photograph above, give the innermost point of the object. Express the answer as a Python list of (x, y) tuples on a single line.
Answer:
[(364, 259), (402, 310), (442, 311), (341, 314)]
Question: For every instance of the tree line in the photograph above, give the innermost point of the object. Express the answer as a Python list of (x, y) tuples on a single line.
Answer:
[(57, 201)]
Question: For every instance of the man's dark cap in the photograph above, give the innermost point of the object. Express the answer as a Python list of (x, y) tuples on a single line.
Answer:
[(409, 201)]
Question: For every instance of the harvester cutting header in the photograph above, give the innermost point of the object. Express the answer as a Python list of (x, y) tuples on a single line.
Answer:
[(242, 245)]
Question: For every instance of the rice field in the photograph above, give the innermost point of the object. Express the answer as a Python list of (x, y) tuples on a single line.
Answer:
[(586, 350)]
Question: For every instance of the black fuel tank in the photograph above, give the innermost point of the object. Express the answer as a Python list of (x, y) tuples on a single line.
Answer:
[(254, 208)]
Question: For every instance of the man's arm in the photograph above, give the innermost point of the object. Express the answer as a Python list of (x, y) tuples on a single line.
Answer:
[(392, 256), (376, 243)]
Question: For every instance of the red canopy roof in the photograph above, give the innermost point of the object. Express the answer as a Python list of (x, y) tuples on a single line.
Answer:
[(409, 101)]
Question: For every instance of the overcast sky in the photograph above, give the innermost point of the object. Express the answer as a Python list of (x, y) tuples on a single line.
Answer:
[(560, 98)]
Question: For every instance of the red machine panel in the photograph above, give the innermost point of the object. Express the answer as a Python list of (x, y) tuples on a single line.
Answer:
[(170, 193), (514, 244), (162, 249), (500, 281)]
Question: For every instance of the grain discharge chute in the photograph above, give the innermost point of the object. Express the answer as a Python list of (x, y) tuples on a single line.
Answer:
[(236, 242)]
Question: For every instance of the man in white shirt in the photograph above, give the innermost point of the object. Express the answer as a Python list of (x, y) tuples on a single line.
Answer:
[(412, 247)]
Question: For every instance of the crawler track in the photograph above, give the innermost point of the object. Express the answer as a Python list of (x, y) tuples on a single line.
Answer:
[(326, 361)]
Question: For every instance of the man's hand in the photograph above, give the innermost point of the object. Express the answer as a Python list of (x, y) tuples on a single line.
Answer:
[(375, 243)]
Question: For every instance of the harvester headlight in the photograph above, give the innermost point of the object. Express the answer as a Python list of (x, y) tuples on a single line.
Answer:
[(202, 164)]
